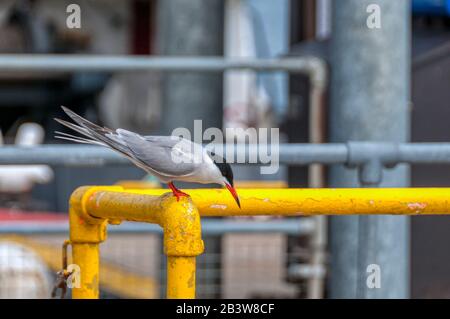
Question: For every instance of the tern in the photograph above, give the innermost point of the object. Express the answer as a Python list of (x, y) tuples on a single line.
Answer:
[(169, 158)]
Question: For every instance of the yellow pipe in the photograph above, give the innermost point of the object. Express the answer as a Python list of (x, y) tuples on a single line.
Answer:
[(91, 208), (180, 277), (303, 202), (86, 233), (86, 256)]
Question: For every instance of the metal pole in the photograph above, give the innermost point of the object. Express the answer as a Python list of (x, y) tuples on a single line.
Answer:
[(191, 28), (369, 101), (316, 179)]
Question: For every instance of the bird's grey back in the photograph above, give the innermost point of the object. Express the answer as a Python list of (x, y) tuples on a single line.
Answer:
[(170, 156)]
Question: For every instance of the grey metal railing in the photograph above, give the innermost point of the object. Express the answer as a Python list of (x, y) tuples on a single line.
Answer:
[(111, 63), (369, 157), (290, 226)]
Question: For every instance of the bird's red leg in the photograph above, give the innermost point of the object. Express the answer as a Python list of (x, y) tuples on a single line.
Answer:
[(176, 192)]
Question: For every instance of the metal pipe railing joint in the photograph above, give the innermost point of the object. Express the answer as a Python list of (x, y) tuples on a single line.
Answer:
[(370, 158), (92, 208), (84, 228), (180, 220)]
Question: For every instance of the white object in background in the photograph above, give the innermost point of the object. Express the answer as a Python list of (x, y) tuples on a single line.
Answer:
[(23, 275), (29, 134), (245, 103), (22, 178)]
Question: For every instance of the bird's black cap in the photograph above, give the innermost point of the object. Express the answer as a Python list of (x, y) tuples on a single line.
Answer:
[(224, 167), (226, 171)]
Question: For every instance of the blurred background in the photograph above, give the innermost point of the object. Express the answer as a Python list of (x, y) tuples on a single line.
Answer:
[(408, 58)]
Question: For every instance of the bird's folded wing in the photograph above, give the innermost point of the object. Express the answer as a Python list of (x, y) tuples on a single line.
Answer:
[(166, 155)]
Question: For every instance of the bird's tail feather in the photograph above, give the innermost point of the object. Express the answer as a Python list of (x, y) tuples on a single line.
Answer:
[(78, 139), (93, 133)]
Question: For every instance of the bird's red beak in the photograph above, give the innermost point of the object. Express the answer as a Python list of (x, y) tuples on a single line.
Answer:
[(233, 192)]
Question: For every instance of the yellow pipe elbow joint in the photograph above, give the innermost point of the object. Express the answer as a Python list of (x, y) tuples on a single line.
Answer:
[(180, 221), (83, 227), (92, 208)]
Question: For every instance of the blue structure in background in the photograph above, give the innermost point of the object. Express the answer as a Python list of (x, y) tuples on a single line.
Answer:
[(433, 7)]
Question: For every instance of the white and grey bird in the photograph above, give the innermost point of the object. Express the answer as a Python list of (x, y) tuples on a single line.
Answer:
[(169, 158)]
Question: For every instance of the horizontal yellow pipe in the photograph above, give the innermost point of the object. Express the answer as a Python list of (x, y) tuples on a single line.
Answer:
[(290, 202), (114, 205)]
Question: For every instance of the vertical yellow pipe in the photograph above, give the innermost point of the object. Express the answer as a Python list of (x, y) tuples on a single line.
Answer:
[(86, 234), (86, 256), (180, 277)]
